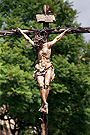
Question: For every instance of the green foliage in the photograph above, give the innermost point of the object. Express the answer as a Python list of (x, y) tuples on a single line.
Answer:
[(69, 95), (18, 88), (69, 98)]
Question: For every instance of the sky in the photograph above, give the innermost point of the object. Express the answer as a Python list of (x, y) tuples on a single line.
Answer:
[(82, 6)]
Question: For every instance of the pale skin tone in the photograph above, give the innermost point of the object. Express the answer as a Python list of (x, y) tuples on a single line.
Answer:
[(44, 55)]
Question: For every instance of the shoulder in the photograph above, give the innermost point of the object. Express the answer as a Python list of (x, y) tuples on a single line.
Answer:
[(48, 44)]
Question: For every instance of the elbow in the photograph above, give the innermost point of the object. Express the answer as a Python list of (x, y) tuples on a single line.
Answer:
[(59, 38)]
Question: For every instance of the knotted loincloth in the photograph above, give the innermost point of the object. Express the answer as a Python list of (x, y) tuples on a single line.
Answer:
[(41, 71)]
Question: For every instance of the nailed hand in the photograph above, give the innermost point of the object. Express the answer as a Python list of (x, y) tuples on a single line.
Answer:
[(18, 29)]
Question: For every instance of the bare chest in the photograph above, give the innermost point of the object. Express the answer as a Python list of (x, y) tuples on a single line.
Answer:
[(45, 51)]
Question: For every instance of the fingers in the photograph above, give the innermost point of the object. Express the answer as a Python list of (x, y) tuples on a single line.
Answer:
[(18, 29), (69, 29)]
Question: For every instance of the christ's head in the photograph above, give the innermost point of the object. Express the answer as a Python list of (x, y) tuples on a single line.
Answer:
[(38, 41)]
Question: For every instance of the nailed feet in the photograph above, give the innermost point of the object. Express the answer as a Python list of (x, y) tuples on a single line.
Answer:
[(44, 109)]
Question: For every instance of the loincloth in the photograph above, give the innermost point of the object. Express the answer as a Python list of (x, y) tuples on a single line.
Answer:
[(39, 71)]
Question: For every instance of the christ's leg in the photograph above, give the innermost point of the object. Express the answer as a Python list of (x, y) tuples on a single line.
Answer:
[(47, 81), (47, 88), (40, 80), (43, 108)]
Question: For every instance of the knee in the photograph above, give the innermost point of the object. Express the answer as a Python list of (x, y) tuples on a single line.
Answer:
[(46, 86), (47, 83), (41, 85)]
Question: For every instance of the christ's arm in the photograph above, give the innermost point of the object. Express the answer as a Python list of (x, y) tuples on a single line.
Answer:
[(57, 38), (26, 37)]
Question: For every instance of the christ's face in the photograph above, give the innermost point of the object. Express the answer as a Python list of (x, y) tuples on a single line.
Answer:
[(39, 44)]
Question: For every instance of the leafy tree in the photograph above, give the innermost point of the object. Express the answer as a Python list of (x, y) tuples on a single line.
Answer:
[(69, 111)]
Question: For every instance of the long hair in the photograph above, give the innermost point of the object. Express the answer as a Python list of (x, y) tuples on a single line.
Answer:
[(38, 40)]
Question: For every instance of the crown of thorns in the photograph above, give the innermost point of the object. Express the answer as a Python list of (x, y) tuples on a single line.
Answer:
[(38, 38)]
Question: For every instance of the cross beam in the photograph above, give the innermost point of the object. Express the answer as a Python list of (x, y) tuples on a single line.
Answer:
[(57, 30)]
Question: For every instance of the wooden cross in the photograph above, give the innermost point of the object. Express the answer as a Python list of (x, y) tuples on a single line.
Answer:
[(45, 18), (57, 30)]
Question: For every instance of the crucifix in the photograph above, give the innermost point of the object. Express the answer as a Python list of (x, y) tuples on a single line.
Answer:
[(44, 70)]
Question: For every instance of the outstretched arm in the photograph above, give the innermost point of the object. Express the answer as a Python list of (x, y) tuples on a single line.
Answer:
[(26, 37), (57, 38)]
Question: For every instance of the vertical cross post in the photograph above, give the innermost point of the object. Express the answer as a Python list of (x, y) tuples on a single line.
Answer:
[(46, 24), (45, 18), (45, 116)]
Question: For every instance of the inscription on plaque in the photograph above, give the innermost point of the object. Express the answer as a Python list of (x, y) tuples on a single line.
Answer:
[(45, 18)]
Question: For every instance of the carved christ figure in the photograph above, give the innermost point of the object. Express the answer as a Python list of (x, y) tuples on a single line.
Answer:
[(44, 70)]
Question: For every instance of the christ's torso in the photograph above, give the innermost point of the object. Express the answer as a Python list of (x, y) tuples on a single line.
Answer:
[(44, 55)]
